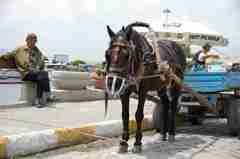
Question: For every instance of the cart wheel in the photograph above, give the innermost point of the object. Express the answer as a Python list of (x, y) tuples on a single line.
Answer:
[(196, 115), (237, 93), (156, 116), (234, 116), (222, 106)]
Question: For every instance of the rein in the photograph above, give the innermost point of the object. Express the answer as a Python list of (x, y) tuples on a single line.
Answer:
[(171, 75)]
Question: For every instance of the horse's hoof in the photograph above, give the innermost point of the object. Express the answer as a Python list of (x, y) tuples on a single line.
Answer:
[(171, 138), (123, 149), (137, 149)]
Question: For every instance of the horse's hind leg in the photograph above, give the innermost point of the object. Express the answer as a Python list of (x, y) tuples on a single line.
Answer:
[(139, 117), (125, 119)]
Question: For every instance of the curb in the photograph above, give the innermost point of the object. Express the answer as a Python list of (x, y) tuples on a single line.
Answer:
[(34, 142), (20, 104)]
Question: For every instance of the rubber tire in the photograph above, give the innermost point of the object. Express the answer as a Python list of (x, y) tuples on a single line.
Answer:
[(156, 116), (198, 117), (223, 113), (234, 116)]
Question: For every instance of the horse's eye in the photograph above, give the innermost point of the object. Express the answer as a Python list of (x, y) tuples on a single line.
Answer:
[(107, 55), (124, 52)]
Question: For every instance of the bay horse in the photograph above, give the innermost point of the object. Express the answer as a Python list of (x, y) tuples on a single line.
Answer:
[(125, 74)]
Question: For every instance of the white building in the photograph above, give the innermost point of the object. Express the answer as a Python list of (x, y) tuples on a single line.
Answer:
[(60, 59)]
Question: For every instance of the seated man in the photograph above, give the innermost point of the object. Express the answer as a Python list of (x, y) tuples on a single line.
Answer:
[(212, 58), (203, 57), (30, 62)]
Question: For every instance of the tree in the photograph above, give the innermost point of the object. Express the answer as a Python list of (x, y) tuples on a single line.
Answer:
[(77, 62)]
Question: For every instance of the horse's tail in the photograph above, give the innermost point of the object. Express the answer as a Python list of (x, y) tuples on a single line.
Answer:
[(106, 103)]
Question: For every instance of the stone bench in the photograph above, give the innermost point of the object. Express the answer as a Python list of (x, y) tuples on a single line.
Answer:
[(28, 92)]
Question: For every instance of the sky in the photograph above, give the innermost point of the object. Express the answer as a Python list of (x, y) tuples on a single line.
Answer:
[(78, 27)]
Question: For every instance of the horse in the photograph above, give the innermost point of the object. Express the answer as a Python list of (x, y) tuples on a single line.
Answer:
[(127, 74)]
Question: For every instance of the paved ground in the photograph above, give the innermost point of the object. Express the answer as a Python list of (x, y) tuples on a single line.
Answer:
[(68, 114), (210, 140)]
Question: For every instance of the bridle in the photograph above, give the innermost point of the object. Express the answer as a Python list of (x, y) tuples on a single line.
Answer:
[(130, 75)]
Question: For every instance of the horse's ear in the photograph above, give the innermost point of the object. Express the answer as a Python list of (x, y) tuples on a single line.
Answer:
[(129, 33), (123, 28), (110, 32)]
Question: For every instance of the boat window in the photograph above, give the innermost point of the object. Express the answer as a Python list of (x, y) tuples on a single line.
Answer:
[(179, 36), (213, 38), (204, 37), (195, 37), (167, 35)]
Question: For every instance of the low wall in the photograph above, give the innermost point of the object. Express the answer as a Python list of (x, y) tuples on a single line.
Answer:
[(66, 86), (68, 80)]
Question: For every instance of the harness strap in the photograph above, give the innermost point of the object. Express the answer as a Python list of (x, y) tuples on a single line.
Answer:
[(170, 73), (155, 46), (121, 44)]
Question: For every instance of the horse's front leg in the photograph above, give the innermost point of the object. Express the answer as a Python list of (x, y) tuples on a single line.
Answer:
[(125, 121), (139, 118)]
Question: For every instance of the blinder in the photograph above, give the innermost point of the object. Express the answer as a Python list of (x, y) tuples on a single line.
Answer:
[(116, 84)]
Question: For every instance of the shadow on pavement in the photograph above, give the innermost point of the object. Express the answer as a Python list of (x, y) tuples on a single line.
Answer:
[(211, 127), (159, 149)]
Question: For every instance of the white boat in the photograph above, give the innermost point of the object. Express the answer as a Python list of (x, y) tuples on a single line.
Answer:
[(184, 31)]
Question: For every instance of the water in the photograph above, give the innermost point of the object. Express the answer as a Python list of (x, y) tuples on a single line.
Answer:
[(9, 93)]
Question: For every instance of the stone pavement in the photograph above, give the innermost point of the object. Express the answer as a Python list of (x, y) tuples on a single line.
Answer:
[(66, 114), (186, 146)]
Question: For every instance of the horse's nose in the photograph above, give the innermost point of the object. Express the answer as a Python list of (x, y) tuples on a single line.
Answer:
[(115, 54), (114, 57), (116, 49)]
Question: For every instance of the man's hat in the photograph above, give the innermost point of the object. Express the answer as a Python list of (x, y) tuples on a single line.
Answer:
[(207, 46)]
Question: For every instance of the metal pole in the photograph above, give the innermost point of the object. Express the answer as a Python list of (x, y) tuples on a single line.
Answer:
[(166, 11)]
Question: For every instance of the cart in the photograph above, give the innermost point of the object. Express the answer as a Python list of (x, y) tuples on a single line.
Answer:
[(221, 89)]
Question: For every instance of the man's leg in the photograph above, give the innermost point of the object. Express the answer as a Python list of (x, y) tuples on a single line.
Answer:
[(31, 76), (164, 116), (44, 85)]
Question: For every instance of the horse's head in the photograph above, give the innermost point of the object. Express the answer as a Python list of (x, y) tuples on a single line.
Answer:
[(119, 58)]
